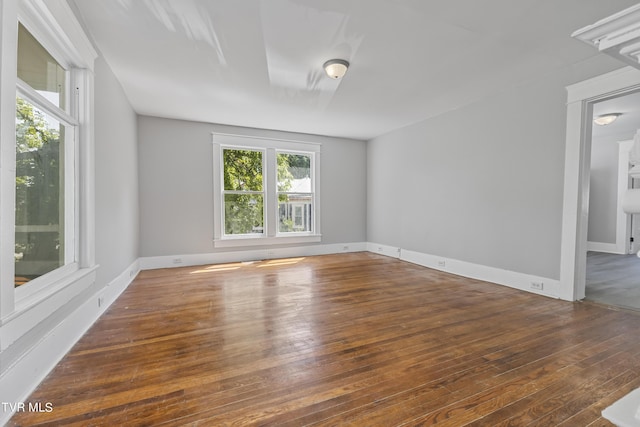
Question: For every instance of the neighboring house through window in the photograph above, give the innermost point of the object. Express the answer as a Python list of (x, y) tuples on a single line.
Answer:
[(265, 190), (295, 192)]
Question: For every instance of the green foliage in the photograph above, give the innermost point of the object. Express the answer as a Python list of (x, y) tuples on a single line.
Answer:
[(299, 165), (38, 182), (242, 170), (244, 183), (285, 177), (290, 167), (244, 211), (32, 130)]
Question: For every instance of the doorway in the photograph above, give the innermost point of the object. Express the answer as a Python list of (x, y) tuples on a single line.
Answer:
[(612, 268), (609, 227), (580, 103)]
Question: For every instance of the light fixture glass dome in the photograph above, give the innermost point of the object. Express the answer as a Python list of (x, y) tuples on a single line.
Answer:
[(336, 68), (606, 119)]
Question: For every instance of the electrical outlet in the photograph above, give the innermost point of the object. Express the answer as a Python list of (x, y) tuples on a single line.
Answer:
[(538, 286), (345, 248), (100, 301), (442, 263), (177, 260)]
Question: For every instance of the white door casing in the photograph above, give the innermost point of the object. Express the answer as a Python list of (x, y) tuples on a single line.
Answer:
[(580, 99)]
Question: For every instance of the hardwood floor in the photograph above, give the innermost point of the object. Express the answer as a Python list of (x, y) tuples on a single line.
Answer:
[(350, 339)]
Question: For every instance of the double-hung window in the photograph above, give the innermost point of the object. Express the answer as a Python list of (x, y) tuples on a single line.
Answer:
[(45, 164), (51, 243), (266, 191)]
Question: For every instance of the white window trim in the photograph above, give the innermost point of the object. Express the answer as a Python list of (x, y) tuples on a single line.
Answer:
[(271, 146), (54, 25), (71, 183), (314, 174)]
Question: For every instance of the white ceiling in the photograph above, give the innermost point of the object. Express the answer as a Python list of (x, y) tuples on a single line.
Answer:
[(627, 124), (257, 63)]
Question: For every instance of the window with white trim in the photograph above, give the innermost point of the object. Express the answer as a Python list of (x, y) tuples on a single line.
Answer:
[(45, 164), (266, 191), (295, 192), (48, 224)]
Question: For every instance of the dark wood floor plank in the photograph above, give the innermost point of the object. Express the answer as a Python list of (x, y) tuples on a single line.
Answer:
[(559, 385), (355, 339), (591, 414)]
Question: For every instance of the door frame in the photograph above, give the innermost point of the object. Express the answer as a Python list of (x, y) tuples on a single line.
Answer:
[(624, 232), (575, 207)]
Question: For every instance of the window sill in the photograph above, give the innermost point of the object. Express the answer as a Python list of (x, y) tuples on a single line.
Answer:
[(56, 294), (266, 241)]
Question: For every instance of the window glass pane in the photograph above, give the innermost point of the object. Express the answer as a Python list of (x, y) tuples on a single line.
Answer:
[(242, 170), (38, 69), (294, 213), (294, 173), (243, 214), (39, 246)]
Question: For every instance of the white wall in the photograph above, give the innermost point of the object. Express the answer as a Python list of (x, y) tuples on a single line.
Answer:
[(481, 184), (603, 188), (176, 187), (116, 152)]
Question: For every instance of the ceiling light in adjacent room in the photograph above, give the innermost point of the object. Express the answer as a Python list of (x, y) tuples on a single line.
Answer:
[(336, 68), (606, 119)]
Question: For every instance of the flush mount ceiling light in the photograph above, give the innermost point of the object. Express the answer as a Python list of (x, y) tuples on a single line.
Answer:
[(336, 68), (606, 119)]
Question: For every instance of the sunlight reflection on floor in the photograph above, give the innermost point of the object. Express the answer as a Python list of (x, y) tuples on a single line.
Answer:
[(278, 262), (218, 267), (237, 265)]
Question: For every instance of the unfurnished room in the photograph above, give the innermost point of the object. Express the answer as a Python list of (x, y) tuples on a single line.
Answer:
[(309, 213)]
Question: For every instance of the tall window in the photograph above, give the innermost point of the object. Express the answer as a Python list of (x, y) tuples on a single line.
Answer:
[(45, 159), (295, 193), (266, 191)]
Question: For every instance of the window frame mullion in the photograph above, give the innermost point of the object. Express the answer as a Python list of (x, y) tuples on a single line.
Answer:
[(29, 94), (270, 148), (271, 204)]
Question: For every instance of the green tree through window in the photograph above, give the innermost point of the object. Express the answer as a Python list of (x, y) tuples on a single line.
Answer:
[(244, 193), (39, 211)]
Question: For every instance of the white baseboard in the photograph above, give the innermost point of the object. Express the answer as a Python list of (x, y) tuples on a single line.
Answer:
[(20, 379), (512, 279), (171, 261), (390, 251), (118, 285), (609, 248)]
